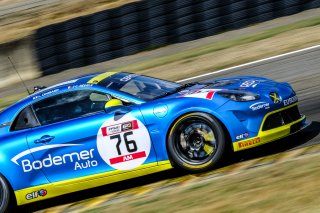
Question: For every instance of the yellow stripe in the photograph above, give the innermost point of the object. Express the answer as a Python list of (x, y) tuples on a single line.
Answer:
[(77, 184), (268, 135), (100, 77)]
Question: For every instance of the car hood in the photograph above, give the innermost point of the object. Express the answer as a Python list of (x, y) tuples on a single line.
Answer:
[(258, 85), (248, 83)]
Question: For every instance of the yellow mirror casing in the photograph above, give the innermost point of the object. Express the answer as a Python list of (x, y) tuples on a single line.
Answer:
[(113, 103)]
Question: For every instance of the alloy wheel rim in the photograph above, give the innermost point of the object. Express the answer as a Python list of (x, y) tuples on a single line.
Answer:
[(196, 142)]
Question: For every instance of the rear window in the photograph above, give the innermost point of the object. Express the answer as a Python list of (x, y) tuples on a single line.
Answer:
[(25, 120)]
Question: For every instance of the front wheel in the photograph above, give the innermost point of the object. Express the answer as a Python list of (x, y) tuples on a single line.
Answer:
[(196, 142), (5, 195)]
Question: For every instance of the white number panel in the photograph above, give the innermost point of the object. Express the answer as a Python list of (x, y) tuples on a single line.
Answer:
[(123, 144)]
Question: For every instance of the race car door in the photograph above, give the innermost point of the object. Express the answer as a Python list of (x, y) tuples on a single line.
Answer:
[(77, 138)]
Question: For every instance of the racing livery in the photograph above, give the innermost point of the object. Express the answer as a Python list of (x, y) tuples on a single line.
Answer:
[(106, 127)]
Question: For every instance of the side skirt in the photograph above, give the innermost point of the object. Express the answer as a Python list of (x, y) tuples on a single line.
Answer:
[(46, 191)]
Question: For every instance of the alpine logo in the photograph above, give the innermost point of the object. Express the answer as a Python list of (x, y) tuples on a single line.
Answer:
[(275, 97)]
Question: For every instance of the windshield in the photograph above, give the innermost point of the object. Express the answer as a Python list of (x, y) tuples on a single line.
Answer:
[(143, 87)]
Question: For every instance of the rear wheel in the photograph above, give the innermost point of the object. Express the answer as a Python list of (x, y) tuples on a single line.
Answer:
[(196, 142), (5, 195)]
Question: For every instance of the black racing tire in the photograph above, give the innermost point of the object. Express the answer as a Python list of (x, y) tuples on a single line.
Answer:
[(5, 195), (196, 142)]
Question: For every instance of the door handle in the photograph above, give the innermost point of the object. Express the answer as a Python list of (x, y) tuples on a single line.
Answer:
[(44, 139)]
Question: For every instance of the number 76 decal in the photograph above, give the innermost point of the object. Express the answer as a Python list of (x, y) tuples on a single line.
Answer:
[(124, 144), (133, 144)]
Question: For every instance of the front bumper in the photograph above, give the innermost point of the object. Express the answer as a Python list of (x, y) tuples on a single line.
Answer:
[(275, 131)]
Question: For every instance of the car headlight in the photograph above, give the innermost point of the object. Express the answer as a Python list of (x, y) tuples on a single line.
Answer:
[(239, 96)]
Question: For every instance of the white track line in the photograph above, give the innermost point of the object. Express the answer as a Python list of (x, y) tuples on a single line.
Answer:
[(250, 63)]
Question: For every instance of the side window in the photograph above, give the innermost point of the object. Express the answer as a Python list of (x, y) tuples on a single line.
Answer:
[(69, 105), (26, 119)]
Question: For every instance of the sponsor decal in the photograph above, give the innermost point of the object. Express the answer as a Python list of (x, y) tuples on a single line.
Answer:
[(124, 144), (56, 85), (118, 128), (129, 157), (259, 105), (81, 160), (33, 195), (242, 136), (190, 92), (250, 83), (291, 100), (248, 143), (199, 93), (46, 93), (66, 82), (160, 110), (80, 86), (210, 95), (275, 97), (128, 77)]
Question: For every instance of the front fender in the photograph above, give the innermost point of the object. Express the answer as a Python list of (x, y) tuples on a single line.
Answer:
[(159, 124)]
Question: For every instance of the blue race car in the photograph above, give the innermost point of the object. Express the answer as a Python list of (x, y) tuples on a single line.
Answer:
[(103, 128)]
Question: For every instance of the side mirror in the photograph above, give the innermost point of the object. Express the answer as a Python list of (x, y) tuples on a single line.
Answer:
[(115, 105)]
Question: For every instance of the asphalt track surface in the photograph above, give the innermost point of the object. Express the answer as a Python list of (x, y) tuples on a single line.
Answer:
[(301, 70)]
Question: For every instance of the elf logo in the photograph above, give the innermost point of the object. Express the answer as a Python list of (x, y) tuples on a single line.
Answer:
[(36, 194), (242, 136)]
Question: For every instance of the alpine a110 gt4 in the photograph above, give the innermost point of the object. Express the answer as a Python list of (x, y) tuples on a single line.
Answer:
[(107, 127)]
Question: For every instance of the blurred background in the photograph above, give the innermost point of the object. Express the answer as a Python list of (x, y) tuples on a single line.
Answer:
[(50, 41), (45, 37)]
